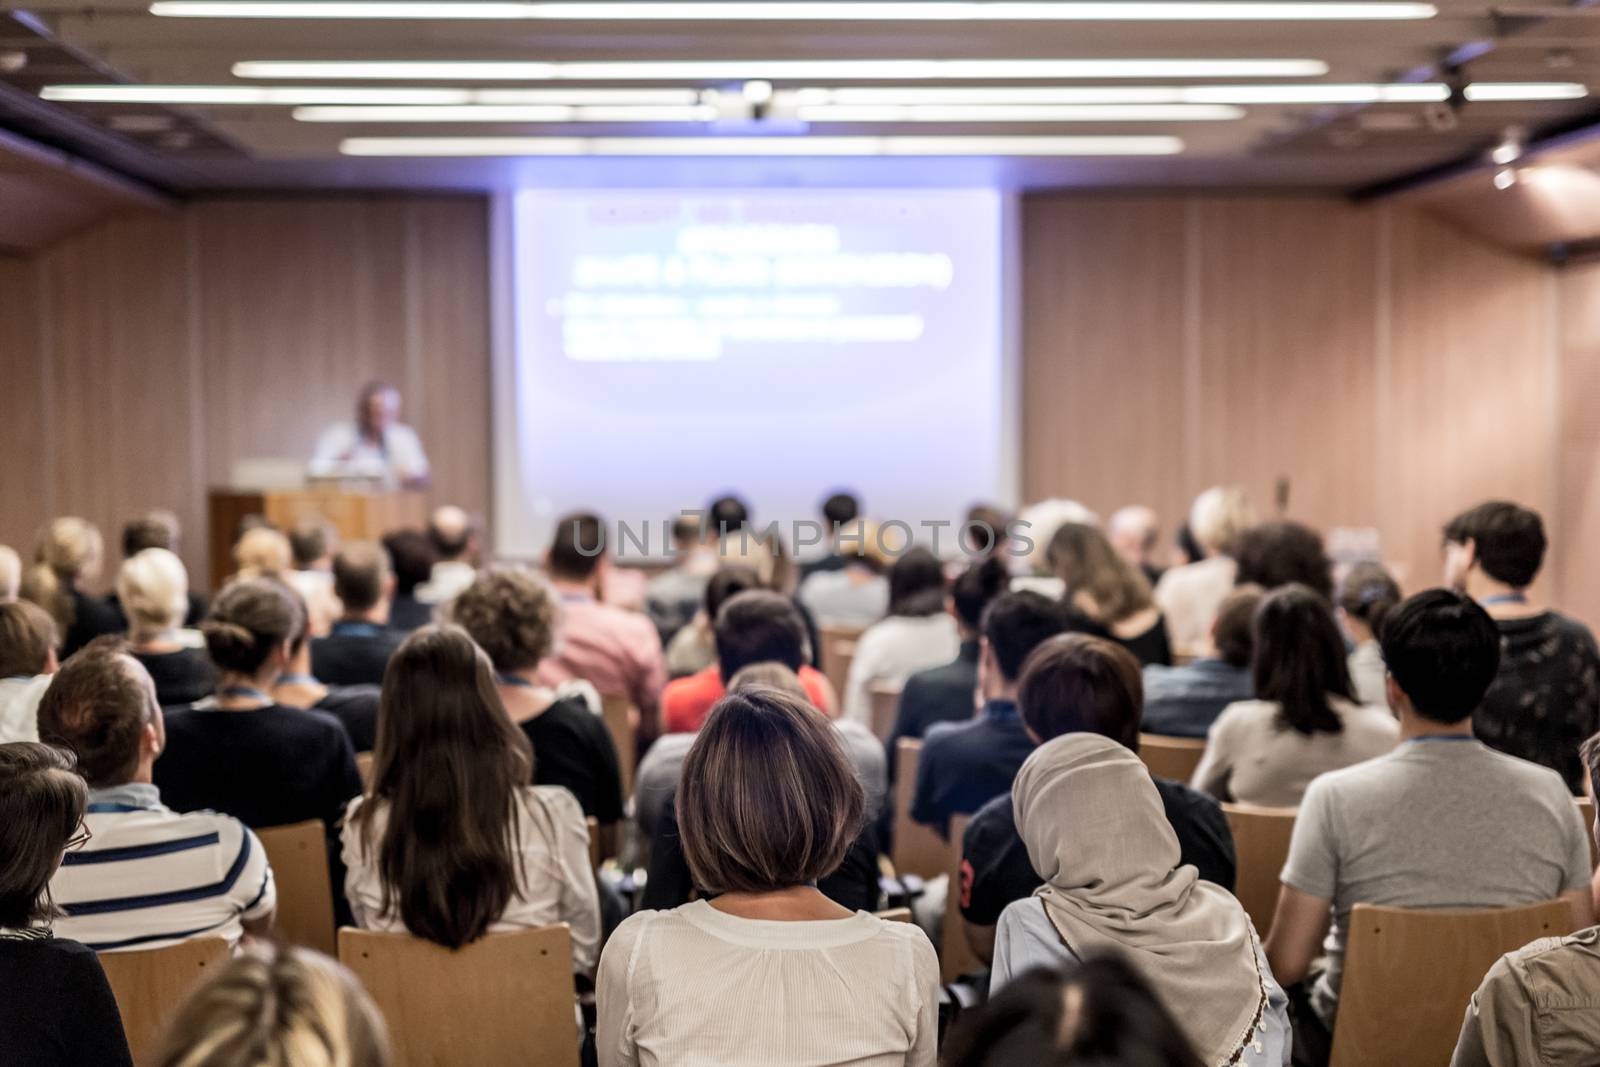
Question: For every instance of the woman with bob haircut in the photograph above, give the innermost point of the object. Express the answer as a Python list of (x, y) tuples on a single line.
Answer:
[(1304, 721), (450, 841), (153, 589), (767, 969), (59, 1011)]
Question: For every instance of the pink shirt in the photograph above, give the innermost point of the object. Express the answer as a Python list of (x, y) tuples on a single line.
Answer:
[(616, 651)]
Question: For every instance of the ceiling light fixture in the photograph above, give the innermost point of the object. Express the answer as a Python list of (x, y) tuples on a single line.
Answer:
[(1019, 113), (761, 146), (511, 113), (1509, 150), (1505, 178), (1490, 92), (834, 11), (246, 95)]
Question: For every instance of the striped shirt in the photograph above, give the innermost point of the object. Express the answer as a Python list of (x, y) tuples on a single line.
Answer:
[(151, 877)]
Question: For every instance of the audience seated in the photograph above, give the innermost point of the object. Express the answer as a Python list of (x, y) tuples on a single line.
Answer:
[(917, 633), (616, 650), (1109, 591), (355, 706), (673, 597), (277, 1006), (1443, 821), (313, 543), (1546, 698), (411, 553), (838, 510), (10, 574), (1099, 1013), (27, 660), (147, 876), (1541, 1003), (455, 546), (158, 529), (767, 969), (153, 591), (68, 558), (1184, 701), (1366, 594), (450, 841), (1279, 553), (262, 550), (857, 593), (1038, 523), (59, 1009), (242, 752), (949, 692), (1135, 534), (1114, 881), (693, 648), (1189, 595), (1076, 683), (964, 765), (1304, 720), (359, 644), (513, 616), (685, 702)]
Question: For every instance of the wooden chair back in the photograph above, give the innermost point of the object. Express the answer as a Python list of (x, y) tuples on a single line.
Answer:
[(508, 998), (299, 857), (918, 849), (885, 706), (1393, 954), (1261, 844), (1586, 812), (593, 825), (895, 915), (151, 984), (838, 648), (364, 761), (1171, 757), (956, 957), (622, 722)]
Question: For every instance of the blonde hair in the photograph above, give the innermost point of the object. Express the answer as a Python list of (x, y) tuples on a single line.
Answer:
[(262, 551), (10, 573), (1219, 516), (1088, 566), (154, 590), (70, 549), (277, 1006)]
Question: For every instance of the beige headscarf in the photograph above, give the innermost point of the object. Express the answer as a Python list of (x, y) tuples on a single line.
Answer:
[(1098, 835)]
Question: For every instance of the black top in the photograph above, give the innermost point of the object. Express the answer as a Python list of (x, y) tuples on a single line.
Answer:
[(191, 618), (407, 613), (939, 694), (181, 677), (59, 1011), (1545, 700), (354, 653), (1151, 646), (356, 707), (573, 748), (91, 617), (831, 562), (965, 765), (995, 869), (270, 767)]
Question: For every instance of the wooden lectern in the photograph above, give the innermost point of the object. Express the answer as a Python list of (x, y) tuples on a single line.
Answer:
[(355, 514)]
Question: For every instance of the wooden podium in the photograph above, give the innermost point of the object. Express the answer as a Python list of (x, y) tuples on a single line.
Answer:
[(355, 514)]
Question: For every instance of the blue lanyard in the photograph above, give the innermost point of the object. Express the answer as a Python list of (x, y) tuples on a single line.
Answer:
[(356, 629), (1505, 598), (513, 680), (297, 679), (245, 692)]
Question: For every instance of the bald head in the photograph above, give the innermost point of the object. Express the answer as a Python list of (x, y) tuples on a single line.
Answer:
[(1134, 532), (10, 573), (452, 532)]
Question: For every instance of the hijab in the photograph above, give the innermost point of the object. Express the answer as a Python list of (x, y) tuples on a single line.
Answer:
[(1096, 831)]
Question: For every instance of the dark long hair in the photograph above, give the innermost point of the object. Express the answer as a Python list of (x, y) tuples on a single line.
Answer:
[(1300, 659), (448, 764), (916, 584)]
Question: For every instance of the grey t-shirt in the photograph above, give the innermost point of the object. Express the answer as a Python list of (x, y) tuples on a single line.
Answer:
[(1437, 823)]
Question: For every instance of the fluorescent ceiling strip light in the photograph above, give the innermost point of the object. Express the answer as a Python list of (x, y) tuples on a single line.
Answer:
[(837, 11), (761, 146), (1309, 93), (1500, 91), (246, 94), (783, 69), (1019, 113), (511, 113)]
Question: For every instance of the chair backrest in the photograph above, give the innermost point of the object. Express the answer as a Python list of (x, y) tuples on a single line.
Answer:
[(1409, 974), (593, 825), (1261, 843), (1171, 757), (918, 849), (1586, 811), (895, 915), (299, 857), (364, 762), (838, 648), (150, 985), (507, 998), (622, 721), (956, 957), (885, 706)]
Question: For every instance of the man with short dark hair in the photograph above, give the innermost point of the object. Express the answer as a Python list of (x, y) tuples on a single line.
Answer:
[(1443, 821), (1064, 691), (840, 508), (673, 597), (965, 764), (1184, 701), (411, 553), (615, 650), (1546, 697), (27, 659), (357, 648)]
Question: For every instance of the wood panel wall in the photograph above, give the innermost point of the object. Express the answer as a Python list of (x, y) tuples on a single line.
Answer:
[(142, 358)]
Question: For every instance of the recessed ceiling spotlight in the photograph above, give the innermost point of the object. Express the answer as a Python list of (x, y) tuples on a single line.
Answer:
[(13, 61), (1505, 178), (1509, 150)]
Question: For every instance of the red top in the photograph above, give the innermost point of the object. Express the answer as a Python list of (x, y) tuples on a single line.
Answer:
[(686, 702)]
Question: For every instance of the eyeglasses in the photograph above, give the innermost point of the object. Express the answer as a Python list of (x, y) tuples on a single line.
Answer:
[(79, 839)]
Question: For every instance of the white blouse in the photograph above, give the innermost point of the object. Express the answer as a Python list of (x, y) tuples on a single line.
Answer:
[(892, 651), (557, 882), (696, 985)]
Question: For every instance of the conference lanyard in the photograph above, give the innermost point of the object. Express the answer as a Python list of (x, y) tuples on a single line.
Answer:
[(513, 680), (1505, 598), (245, 692)]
